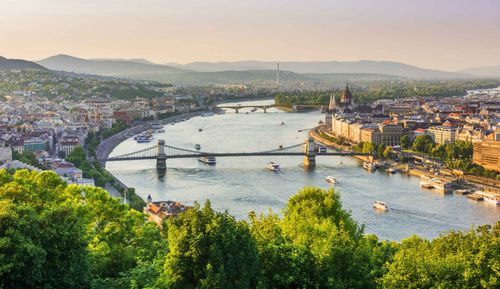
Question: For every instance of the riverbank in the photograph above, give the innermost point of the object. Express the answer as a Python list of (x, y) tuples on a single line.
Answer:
[(489, 185), (107, 145)]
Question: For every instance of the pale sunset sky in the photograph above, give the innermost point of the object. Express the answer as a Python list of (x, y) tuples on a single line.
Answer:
[(439, 34)]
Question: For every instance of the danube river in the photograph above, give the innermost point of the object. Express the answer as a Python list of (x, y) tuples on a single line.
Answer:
[(242, 184)]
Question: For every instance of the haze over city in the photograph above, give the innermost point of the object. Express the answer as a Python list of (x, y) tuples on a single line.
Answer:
[(448, 35), (249, 144)]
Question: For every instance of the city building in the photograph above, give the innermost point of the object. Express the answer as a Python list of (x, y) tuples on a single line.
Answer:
[(36, 144), (158, 211), (487, 154), (443, 134)]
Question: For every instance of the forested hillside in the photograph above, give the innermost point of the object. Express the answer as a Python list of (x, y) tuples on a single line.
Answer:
[(54, 235)]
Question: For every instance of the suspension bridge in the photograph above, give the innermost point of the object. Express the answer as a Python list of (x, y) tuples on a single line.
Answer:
[(161, 152)]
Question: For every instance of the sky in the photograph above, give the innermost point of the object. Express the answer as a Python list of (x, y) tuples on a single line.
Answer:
[(439, 34)]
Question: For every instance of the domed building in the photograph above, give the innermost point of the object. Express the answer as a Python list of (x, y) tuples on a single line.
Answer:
[(346, 100)]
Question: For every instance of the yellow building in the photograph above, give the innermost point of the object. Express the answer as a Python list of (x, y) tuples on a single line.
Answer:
[(487, 154)]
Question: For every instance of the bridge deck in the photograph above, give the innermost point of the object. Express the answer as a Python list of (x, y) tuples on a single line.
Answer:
[(250, 154)]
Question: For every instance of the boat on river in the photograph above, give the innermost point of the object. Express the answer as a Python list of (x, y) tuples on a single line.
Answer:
[(390, 170), (379, 205), (369, 166), (156, 125), (274, 167), (439, 185), (489, 197), (209, 160), (144, 138), (197, 146), (331, 180)]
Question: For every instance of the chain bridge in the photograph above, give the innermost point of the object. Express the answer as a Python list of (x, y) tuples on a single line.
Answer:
[(161, 152)]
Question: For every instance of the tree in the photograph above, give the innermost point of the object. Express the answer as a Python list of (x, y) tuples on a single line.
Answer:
[(423, 143), (208, 249), (405, 142), (455, 260), (54, 235), (77, 156), (387, 152), (380, 150), (43, 241), (283, 264), (315, 219)]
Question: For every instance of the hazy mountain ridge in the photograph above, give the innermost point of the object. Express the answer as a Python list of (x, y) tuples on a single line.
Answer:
[(244, 71), (362, 66), (484, 71), (118, 68), (13, 64)]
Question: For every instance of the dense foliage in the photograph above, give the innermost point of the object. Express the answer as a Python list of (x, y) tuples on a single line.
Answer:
[(365, 92), (54, 235)]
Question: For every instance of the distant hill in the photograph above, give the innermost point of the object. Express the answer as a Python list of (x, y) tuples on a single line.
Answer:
[(117, 68), (484, 71), (346, 77), (226, 77), (13, 64), (363, 66), (138, 60), (244, 71)]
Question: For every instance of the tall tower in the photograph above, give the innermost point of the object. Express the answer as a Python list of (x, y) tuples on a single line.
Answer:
[(278, 75), (333, 104)]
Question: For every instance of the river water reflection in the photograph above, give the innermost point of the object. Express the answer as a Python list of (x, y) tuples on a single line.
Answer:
[(240, 185)]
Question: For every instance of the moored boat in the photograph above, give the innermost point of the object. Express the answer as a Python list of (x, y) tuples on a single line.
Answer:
[(379, 205), (274, 167), (369, 166), (209, 160), (391, 170), (488, 197), (156, 125), (439, 185)]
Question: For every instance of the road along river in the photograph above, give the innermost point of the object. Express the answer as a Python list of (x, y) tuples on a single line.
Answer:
[(242, 184)]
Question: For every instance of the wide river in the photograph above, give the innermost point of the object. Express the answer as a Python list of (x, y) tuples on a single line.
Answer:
[(242, 184)]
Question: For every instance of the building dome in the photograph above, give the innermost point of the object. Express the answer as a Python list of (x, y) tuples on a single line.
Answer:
[(346, 96)]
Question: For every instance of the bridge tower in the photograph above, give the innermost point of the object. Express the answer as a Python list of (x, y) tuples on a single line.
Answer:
[(309, 153), (161, 157)]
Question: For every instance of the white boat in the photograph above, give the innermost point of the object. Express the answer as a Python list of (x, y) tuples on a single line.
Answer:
[(208, 113), (144, 138), (489, 197), (209, 160), (331, 180), (439, 185), (369, 166), (391, 170), (156, 125), (273, 167), (197, 146), (379, 205)]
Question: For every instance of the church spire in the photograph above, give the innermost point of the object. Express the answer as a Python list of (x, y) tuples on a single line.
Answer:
[(333, 104)]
